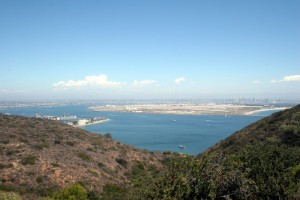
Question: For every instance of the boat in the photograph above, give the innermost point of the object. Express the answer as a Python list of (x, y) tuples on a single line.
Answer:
[(181, 146)]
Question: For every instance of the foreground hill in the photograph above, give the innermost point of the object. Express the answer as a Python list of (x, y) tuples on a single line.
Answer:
[(38, 156), (262, 161), (283, 127)]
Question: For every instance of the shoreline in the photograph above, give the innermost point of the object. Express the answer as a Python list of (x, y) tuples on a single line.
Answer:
[(187, 109), (267, 109)]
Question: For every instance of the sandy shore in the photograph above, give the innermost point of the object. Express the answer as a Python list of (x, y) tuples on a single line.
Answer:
[(187, 109), (269, 109)]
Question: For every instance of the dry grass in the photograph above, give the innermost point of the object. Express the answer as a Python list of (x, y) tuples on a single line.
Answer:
[(40, 154)]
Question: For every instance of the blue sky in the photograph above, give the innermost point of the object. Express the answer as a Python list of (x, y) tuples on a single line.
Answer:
[(149, 49)]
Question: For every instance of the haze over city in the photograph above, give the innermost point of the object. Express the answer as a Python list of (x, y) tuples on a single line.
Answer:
[(149, 49)]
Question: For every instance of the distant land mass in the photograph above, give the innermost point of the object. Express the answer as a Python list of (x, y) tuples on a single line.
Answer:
[(189, 108)]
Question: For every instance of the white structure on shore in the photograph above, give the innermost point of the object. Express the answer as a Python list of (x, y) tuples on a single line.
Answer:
[(70, 119), (82, 122), (63, 118)]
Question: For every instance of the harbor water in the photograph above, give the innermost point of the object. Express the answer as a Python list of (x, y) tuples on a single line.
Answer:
[(154, 132)]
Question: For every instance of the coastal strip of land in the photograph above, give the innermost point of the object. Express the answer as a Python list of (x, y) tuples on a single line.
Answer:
[(86, 122), (73, 121), (188, 109), (266, 109)]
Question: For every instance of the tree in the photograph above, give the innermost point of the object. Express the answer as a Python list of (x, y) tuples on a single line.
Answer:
[(74, 192)]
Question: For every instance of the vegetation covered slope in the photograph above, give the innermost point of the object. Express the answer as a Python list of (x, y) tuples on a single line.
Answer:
[(262, 161), (284, 127), (38, 156)]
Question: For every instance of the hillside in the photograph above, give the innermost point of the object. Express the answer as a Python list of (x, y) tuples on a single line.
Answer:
[(283, 127), (261, 161), (38, 156)]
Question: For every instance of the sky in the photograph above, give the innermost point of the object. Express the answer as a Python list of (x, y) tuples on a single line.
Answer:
[(150, 49)]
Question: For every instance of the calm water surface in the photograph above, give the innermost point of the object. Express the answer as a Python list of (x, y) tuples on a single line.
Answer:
[(155, 132)]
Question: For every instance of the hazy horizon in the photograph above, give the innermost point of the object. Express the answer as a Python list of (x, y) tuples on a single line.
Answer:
[(232, 101), (79, 50)]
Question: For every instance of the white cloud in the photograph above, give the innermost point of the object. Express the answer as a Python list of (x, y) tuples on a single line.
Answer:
[(256, 82), (290, 78), (179, 80), (98, 81), (143, 83)]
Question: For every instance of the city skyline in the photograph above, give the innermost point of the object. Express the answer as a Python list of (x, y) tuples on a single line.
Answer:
[(149, 49)]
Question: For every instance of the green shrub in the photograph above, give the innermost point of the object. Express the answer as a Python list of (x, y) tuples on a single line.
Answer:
[(9, 196), (122, 162), (97, 142), (89, 149), (100, 164), (43, 191), (263, 171), (74, 192), (39, 179), (70, 143), (296, 171), (10, 152), (40, 146), (112, 191), (108, 135), (57, 141), (270, 170), (28, 160), (83, 156), (3, 166), (4, 141), (7, 188), (95, 174), (55, 164), (24, 140), (166, 161), (138, 170)]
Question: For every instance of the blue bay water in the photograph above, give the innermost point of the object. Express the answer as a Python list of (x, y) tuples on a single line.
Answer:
[(155, 132)]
